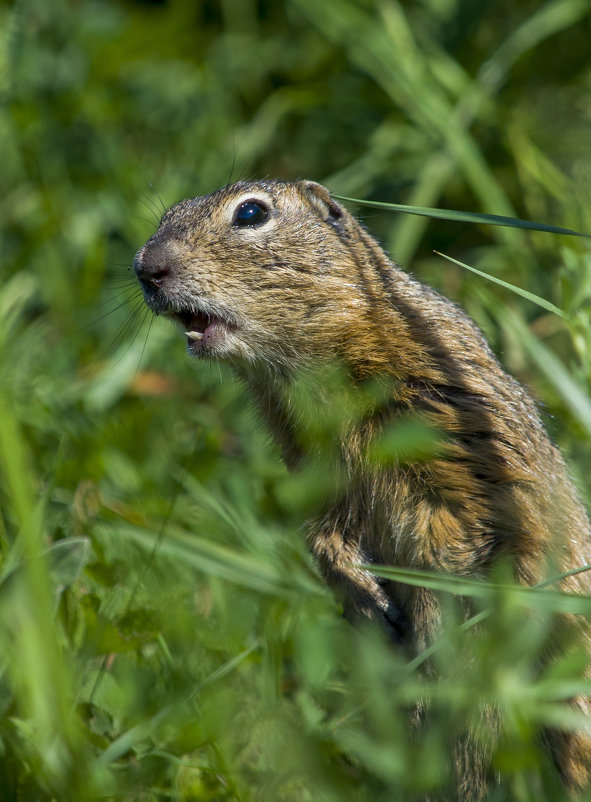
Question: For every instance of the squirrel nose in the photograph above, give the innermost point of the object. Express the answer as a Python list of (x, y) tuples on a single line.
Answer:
[(151, 266)]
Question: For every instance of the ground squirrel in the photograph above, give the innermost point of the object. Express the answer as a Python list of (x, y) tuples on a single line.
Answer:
[(275, 277)]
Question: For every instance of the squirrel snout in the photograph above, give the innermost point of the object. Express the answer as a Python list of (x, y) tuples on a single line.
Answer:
[(151, 266)]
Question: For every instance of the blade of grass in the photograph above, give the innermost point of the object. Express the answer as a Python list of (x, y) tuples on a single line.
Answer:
[(466, 217), (567, 388), (535, 299), (217, 560), (140, 732), (552, 600), (40, 675), (482, 616)]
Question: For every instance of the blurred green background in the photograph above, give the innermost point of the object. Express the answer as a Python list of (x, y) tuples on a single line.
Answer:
[(175, 641)]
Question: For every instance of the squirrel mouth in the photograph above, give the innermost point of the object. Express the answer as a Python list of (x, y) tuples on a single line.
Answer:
[(196, 325), (201, 330)]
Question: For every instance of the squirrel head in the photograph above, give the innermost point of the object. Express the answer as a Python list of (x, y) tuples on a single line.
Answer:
[(264, 272)]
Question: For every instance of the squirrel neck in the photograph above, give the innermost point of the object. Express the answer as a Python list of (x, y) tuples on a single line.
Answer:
[(386, 333)]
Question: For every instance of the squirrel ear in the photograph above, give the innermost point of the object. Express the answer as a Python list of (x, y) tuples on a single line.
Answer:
[(321, 199)]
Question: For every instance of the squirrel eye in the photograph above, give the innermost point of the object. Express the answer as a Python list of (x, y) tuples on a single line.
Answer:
[(250, 213)]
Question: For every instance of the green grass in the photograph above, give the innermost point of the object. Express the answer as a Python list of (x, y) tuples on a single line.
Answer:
[(164, 633)]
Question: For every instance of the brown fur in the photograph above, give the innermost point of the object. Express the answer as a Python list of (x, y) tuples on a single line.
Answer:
[(310, 286)]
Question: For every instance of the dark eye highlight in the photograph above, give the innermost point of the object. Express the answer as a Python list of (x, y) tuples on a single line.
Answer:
[(251, 213)]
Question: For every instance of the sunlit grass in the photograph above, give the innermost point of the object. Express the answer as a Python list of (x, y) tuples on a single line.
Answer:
[(164, 632)]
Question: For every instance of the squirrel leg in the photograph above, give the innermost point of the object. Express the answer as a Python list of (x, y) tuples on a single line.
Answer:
[(340, 558)]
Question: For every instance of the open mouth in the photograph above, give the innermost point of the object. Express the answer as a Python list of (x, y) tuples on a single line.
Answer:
[(202, 329), (196, 325)]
